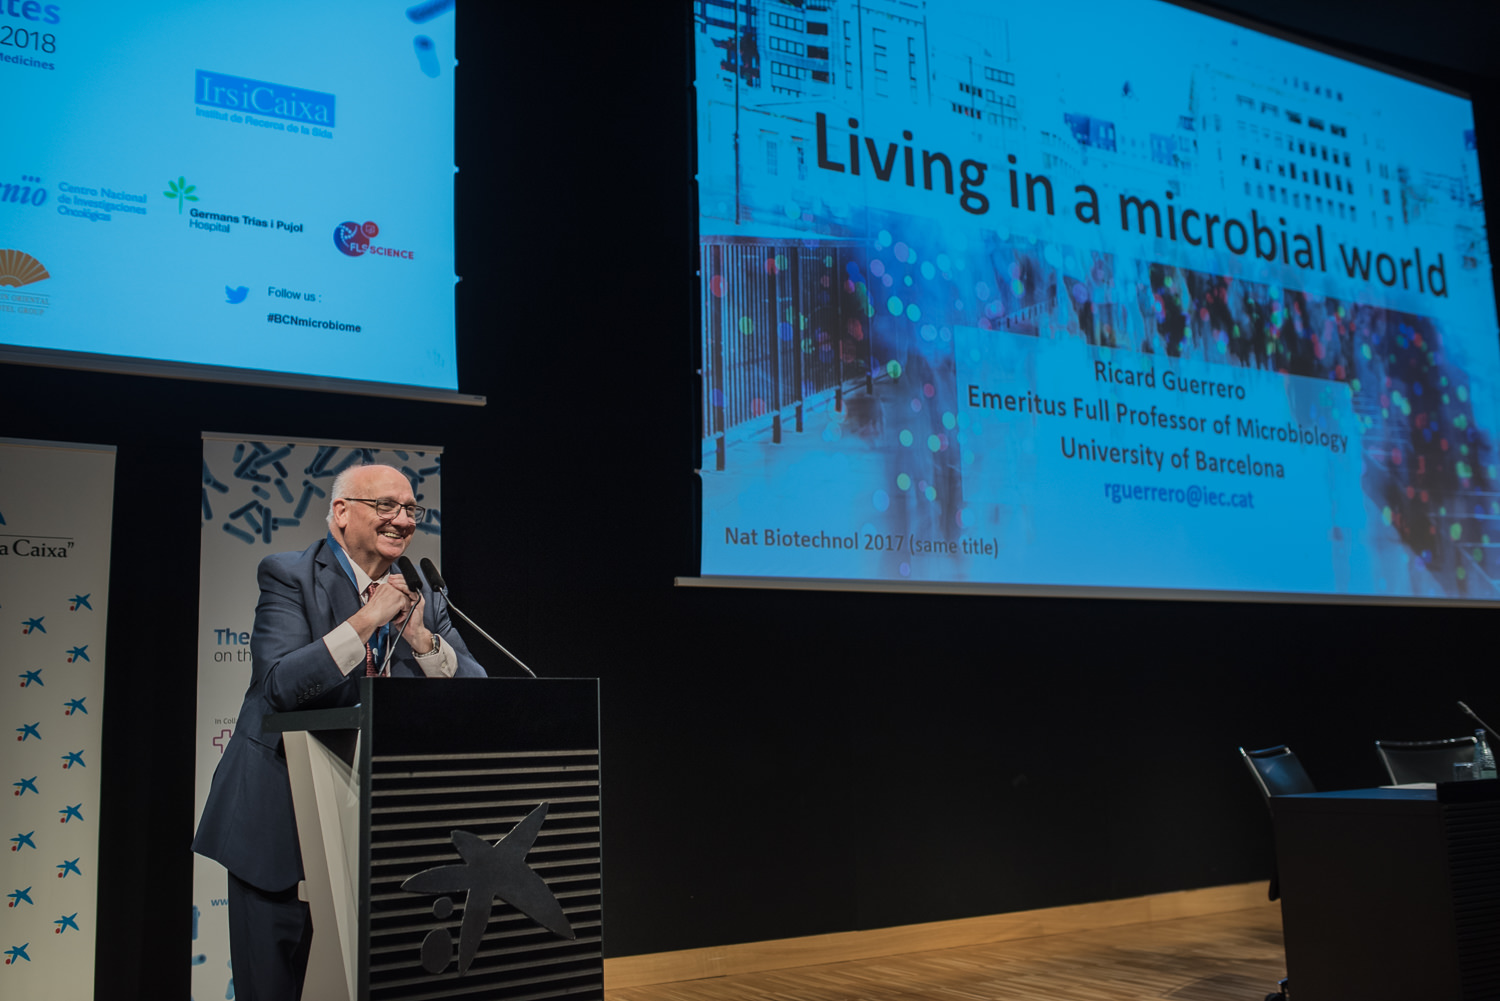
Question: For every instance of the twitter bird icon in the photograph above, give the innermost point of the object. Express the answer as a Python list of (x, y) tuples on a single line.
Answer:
[(234, 296)]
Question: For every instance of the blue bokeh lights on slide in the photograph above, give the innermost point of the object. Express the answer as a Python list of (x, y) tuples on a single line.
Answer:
[(1095, 295)]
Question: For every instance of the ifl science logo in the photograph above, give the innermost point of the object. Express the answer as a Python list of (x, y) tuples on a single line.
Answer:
[(353, 240)]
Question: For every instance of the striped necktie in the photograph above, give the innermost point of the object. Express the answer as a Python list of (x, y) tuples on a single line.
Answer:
[(371, 671)]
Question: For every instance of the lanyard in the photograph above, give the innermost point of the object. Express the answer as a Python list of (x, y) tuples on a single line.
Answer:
[(378, 640)]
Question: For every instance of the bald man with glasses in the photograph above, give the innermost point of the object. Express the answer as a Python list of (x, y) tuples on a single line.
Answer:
[(327, 616)]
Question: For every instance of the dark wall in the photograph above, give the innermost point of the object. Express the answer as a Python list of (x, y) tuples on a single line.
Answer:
[(776, 763)]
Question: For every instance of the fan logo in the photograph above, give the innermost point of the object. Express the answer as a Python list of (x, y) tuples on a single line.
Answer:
[(354, 240), (18, 268)]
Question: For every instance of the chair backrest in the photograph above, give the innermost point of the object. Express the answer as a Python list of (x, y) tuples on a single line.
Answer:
[(1277, 771), (1423, 760)]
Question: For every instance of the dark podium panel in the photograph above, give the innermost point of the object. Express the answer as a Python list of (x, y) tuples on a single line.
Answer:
[(1391, 894), (380, 793)]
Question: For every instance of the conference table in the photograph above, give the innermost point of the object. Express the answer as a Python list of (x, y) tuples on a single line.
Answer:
[(1391, 894)]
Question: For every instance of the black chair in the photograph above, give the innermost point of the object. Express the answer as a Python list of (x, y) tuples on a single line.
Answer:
[(1423, 760), (1277, 772)]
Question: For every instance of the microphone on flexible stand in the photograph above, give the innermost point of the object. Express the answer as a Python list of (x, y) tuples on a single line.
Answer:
[(414, 585), (1475, 717), (436, 582)]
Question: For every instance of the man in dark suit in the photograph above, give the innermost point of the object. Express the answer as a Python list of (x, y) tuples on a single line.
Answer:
[(326, 616)]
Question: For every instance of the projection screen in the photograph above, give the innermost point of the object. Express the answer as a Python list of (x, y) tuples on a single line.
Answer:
[(1093, 297), (256, 193)]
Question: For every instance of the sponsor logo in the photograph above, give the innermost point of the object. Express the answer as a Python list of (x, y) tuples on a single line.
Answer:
[(488, 871), (28, 192), (98, 204), (50, 547), (354, 240), (224, 222), (18, 269), (181, 191), (260, 97), (235, 296)]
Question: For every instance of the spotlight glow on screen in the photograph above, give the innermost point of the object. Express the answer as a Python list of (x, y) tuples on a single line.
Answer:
[(1101, 295), (264, 187)]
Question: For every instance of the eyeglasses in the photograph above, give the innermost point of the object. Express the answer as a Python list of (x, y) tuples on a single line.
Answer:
[(387, 508)]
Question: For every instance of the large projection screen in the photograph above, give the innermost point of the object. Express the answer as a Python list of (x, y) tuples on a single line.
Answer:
[(258, 193), (1097, 296)]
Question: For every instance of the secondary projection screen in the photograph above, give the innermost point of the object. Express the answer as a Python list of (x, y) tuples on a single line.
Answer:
[(1095, 294), (265, 188)]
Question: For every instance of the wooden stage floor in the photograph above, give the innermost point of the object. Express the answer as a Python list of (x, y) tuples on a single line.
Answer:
[(1234, 956)]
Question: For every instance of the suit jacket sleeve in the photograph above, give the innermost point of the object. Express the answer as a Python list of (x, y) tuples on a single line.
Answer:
[(291, 664)]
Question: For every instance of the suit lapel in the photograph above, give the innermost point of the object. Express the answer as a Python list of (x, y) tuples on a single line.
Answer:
[(341, 599), (337, 590)]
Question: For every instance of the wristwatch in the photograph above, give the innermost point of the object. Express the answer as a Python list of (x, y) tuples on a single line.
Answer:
[(437, 646)]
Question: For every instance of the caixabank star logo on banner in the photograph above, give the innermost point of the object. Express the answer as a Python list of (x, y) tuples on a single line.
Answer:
[(54, 572)]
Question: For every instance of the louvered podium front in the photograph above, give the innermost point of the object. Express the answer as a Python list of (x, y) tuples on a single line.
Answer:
[(450, 835)]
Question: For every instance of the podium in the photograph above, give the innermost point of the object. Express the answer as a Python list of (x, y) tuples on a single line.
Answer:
[(1391, 893), (444, 827)]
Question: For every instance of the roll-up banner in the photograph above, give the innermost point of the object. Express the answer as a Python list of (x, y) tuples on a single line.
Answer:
[(263, 496), (56, 500)]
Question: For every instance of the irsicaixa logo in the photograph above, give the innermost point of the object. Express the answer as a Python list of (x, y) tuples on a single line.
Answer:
[(261, 97), (182, 191)]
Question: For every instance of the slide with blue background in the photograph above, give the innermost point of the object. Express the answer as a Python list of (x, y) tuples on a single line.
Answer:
[(1103, 295), (265, 186)]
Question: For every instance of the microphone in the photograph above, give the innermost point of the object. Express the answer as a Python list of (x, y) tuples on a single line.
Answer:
[(436, 582), (413, 584), (1475, 717), (409, 573), (434, 579)]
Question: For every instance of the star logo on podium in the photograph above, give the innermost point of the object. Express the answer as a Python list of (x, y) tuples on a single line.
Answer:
[(489, 871)]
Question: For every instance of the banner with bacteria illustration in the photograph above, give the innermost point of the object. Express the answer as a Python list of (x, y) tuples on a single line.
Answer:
[(261, 496)]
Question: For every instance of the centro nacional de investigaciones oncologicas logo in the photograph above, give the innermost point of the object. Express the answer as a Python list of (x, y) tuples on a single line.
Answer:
[(259, 97)]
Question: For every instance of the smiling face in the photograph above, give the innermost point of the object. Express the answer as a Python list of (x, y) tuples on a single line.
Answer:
[(372, 542)]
